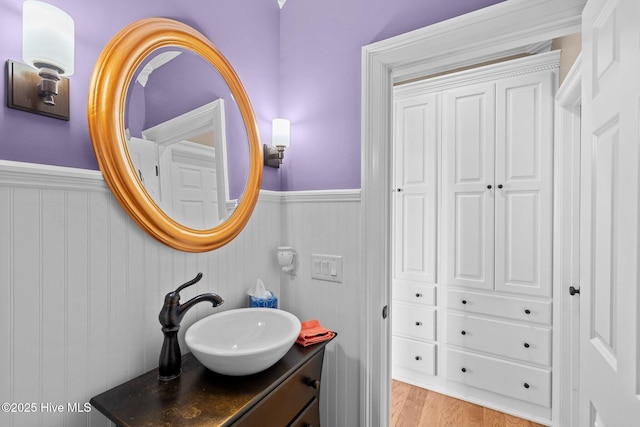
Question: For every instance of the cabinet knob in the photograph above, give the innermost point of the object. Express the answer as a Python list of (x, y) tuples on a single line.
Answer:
[(418, 323), (527, 311), (526, 385), (313, 383), (489, 186), (499, 185), (418, 358), (399, 190), (526, 345), (464, 332), (464, 301), (418, 295), (464, 369)]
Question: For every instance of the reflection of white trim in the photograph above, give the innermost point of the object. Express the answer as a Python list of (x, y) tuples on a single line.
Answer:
[(209, 117), (154, 64)]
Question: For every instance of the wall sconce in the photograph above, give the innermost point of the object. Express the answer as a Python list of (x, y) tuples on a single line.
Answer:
[(285, 258), (48, 50), (280, 139)]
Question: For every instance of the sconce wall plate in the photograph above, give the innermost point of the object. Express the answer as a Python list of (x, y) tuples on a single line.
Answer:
[(270, 155), (22, 92)]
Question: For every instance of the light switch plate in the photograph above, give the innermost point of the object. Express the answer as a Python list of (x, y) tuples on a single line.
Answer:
[(326, 267)]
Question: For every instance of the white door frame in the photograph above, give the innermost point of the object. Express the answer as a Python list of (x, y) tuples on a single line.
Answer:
[(501, 30), (566, 249)]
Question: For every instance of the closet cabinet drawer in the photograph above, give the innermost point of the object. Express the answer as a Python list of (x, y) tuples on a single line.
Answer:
[(499, 376), (502, 306), (526, 343), (414, 355), (414, 322), (415, 294)]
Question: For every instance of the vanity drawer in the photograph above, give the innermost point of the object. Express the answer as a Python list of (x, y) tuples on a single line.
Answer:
[(499, 376), (526, 343), (285, 402), (414, 322), (309, 417), (415, 294), (414, 355), (499, 305)]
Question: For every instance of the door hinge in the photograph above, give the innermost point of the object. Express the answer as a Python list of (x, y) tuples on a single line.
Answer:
[(385, 311)]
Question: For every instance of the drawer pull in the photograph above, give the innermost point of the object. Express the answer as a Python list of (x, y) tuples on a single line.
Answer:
[(464, 332), (526, 385), (526, 345), (315, 384), (418, 295), (464, 369), (418, 323), (418, 358), (527, 311), (464, 301)]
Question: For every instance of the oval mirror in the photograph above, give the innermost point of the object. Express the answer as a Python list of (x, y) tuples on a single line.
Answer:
[(175, 135)]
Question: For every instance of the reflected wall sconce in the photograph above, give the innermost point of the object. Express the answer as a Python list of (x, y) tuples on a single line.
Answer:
[(285, 258), (48, 51), (280, 139)]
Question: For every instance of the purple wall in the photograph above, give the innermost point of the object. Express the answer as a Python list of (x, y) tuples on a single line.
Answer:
[(245, 31), (302, 63), (320, 52)]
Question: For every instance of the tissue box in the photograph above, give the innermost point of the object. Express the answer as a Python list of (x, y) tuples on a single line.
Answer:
[(270, 302)]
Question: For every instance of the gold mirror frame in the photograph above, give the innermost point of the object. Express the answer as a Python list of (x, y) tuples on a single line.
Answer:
[(110, 81)]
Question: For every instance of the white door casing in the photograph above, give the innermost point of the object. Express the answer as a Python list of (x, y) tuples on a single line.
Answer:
[(609, 354), (566, 308)]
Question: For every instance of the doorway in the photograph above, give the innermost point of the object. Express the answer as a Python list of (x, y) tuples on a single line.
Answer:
[(498, 31)]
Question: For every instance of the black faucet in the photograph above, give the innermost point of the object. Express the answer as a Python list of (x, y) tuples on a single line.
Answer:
[(170, 317)]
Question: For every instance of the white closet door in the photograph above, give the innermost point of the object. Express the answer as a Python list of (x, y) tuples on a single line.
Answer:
[(523, 178), (468, 118), (415, 169), (609, 233), (193, 185)]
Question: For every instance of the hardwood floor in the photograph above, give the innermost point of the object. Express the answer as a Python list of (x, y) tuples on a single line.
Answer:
[(416, 407)]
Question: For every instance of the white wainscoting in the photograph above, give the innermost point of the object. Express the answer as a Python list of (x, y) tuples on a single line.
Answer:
[(81, 287), (328, 222)]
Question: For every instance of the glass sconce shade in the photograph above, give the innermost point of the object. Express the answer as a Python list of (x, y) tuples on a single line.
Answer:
[(280, 129), (47, 37)]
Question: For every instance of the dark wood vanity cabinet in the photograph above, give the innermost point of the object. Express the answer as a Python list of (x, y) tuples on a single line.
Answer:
[(287, 394)]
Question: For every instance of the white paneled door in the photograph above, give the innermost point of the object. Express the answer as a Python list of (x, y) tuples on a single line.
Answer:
[(610, 331), (523, 178), (468, 180), (415, 190)]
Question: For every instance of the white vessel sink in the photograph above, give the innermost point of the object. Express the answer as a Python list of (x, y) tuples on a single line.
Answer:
[(242, 341)]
